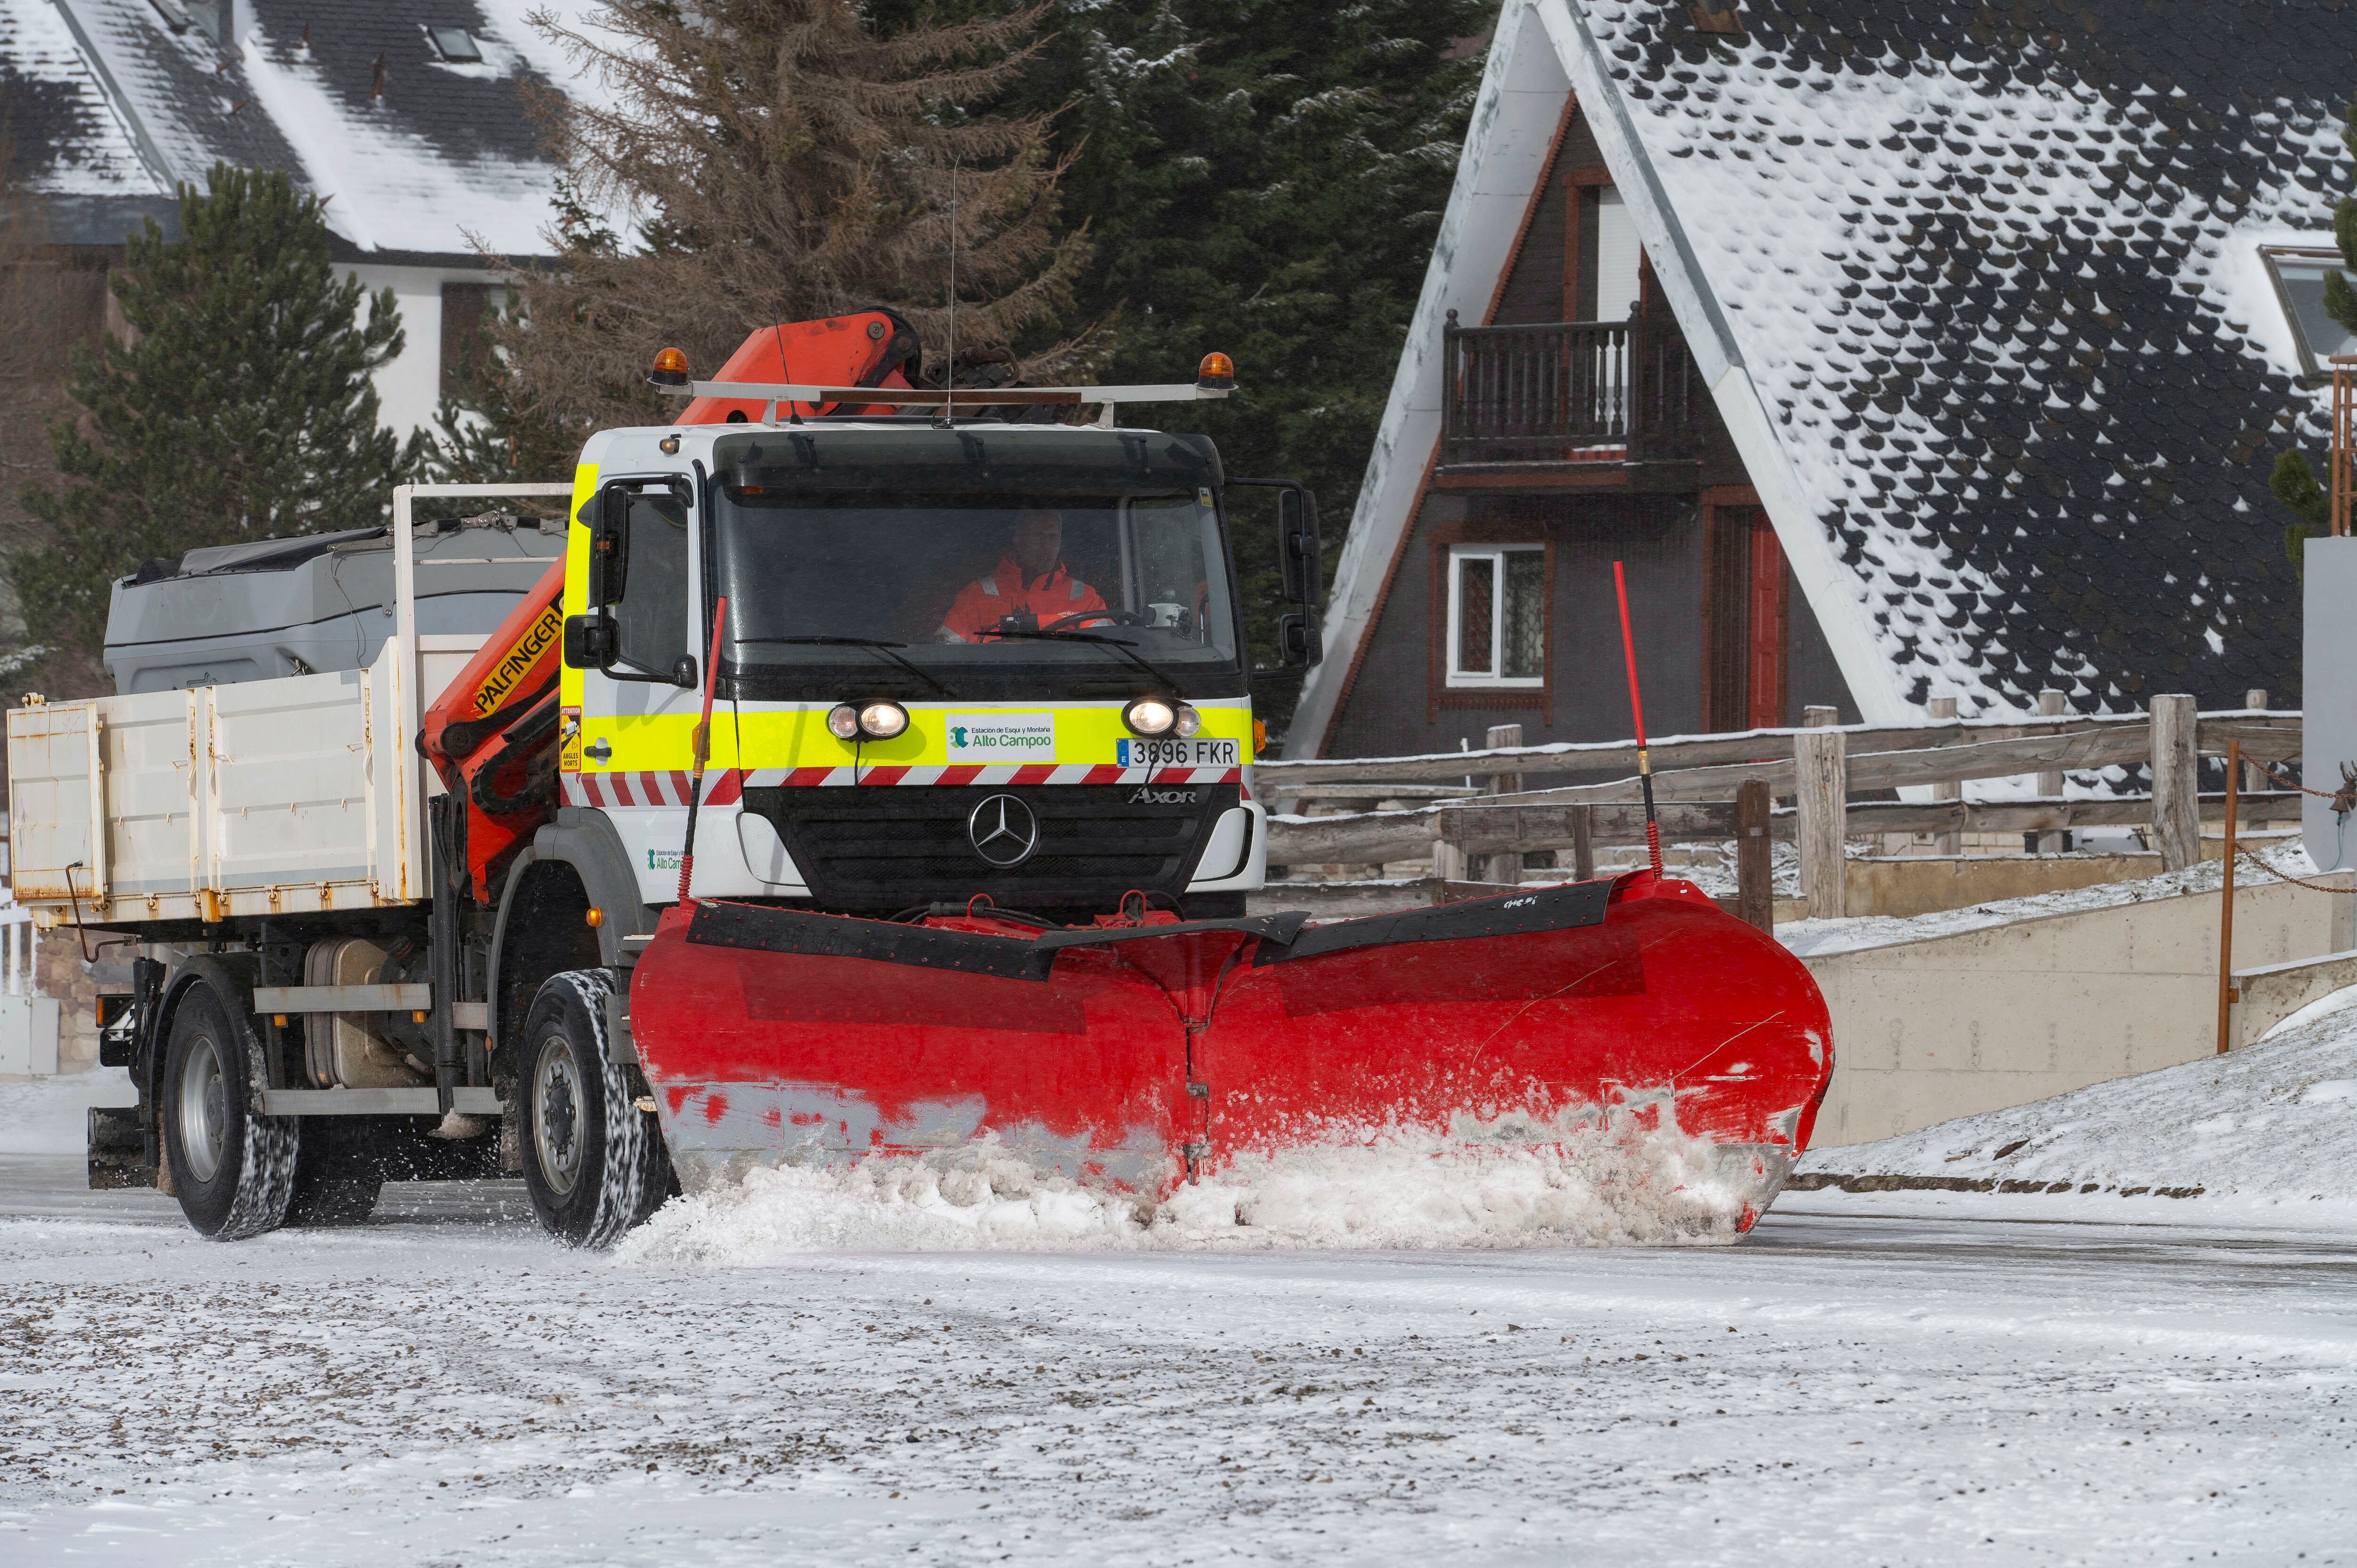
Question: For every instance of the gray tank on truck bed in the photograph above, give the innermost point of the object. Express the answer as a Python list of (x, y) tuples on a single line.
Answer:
[(315, 602)]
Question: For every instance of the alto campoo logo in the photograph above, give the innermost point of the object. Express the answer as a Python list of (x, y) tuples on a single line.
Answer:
[(1163, 798)]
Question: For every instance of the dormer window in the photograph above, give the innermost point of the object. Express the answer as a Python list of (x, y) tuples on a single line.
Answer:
[(2299, 276), (457, 46)]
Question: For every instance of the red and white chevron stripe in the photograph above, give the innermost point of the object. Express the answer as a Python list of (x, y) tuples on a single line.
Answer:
[(724, 787)]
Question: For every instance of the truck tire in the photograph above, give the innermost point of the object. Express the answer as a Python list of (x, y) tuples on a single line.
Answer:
[(337, 1178), (592, 1162), (232, 1170)]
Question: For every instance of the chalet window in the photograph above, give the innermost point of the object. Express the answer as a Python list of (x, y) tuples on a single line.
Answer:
[(1497, 616), (2299, 277)]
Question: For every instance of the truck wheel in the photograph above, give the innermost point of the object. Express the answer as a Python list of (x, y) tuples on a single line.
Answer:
[(592, 1162), (336, 1178), (232, 1171)]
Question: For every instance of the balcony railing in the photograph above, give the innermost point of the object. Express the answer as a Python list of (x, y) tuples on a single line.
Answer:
[(1573, 391)]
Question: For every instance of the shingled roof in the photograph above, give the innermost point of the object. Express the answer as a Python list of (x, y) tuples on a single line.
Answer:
[(1979, 293), (112, 101)]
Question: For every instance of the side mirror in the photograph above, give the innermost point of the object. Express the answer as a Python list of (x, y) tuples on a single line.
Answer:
[(610, 545), (684, 672), (588, 642), (1299, 551), (1300, 642)]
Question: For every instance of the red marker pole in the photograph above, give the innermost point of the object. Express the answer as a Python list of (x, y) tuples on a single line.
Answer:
[(1637, 709), (702, 747)]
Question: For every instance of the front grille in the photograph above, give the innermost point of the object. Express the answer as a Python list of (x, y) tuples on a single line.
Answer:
[(897, 845)]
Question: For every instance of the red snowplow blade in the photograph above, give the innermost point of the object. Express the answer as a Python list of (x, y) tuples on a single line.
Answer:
[(1608, 1018)]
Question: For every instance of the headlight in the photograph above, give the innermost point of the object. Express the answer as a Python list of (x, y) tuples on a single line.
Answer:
[(1150, 717), (1190, 721), (879, 720), (882, 721)]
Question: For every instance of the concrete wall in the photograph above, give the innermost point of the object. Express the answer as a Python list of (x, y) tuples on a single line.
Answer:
[(1953, 1025)]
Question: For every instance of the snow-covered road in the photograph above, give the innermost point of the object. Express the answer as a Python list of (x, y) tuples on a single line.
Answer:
[(445, 1387)]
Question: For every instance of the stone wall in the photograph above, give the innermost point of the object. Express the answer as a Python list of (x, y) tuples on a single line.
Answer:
[(59, 971)]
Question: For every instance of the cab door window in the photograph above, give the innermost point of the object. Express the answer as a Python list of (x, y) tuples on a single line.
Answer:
[(651, 614)]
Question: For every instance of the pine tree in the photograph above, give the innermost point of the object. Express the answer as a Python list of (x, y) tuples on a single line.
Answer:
[(2294, 481), (1264, 177), (784, 159), (240, 408)]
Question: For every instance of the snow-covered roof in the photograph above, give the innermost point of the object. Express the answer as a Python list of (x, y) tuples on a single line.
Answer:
[(1978, 293), (420, 156)]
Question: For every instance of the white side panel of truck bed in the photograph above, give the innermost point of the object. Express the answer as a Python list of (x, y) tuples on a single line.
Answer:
[(262, 796), (292, 798), (153, 746), (55, 810)]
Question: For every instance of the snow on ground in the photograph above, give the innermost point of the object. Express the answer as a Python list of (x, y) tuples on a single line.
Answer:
[(445, 1386), (2268, 1134), (1820, 939)]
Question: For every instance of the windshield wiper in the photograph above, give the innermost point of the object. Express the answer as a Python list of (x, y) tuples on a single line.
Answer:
[(1123, 649), (886, 649)]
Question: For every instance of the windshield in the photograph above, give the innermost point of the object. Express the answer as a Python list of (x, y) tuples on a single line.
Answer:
[(1006, 590)]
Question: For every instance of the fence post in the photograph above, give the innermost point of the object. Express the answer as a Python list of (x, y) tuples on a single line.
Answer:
[(1755, 875), (2050, 705), (1508, 866), (1583, 842), (1945, 708), (1821, 763), (2176, 783), (2253, 779)]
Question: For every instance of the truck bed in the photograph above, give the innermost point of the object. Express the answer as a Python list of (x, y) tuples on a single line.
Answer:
[(285, 796)]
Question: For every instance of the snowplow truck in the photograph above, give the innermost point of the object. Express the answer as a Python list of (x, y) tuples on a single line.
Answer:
[(855, 769)]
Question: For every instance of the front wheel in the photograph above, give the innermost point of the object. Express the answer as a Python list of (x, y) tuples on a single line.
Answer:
[(233, 1171), (592, 1162)]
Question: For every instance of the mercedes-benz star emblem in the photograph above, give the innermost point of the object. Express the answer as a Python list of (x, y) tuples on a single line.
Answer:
[(1004, 830)]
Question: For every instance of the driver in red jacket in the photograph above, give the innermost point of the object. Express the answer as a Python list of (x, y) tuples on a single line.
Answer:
[(1030, 581)]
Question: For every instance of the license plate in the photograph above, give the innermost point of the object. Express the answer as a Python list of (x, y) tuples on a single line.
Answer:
[(1200, 752)]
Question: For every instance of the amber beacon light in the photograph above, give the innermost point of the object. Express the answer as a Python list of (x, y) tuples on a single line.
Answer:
[(1218, 372), (670, 368)]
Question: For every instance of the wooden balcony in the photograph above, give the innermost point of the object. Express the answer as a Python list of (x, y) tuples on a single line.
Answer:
[(1564, 396)]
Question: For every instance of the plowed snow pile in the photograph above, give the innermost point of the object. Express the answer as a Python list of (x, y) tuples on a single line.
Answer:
[(2269, 1132), (1395, 1194)]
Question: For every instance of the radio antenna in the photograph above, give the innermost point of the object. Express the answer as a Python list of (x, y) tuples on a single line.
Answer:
[(949, 377)]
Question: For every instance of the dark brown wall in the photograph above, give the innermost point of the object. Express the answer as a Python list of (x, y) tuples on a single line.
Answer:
[(1399, 705), (1534, 287)]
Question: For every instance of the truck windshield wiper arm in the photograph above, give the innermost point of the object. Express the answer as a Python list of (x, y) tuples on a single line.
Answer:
[(886, 649), (1123, 649)]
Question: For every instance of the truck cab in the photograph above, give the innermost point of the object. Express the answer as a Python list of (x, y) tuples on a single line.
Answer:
[(945, 661)]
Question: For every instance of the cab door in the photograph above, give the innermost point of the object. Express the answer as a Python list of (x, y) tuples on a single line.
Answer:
[(641, 679)]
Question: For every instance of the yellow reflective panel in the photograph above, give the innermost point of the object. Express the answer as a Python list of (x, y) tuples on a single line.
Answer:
[(577, 567)]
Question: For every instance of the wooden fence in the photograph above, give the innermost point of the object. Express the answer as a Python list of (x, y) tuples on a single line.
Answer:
[(1817, 768)]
